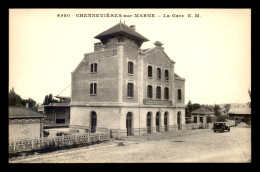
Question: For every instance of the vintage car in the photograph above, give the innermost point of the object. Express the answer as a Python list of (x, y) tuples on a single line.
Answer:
[(221, 126)]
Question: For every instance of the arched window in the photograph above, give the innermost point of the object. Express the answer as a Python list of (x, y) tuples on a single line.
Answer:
[(158, 73), (158, 92), (130, 90), (166, 93), (149, 91), (166, 75), (150, 71), (93, 88), (130, 67)]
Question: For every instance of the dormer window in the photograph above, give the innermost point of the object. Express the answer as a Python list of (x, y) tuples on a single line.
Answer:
[(93, 68)]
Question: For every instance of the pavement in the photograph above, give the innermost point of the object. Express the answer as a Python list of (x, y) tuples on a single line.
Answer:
[(201, 145)]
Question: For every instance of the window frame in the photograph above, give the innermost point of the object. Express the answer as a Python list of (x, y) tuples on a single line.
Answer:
[(160, 95), (93, 89), (151, 92), (168, 93), (179, 95), (130, 94), (150, 72), (129, 69), (93, 67), (166, 78), (157, 76)]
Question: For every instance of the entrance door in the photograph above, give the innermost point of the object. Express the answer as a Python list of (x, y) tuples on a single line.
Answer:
[(157, 121), (179, 120), (93, 122), (166, 121), (129, 124), (148, 124)]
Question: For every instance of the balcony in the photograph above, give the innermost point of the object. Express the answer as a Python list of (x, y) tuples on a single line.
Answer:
[(157, 102)]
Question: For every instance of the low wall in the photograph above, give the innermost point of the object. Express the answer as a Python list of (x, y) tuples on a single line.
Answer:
[(59, 141), (193, 126)]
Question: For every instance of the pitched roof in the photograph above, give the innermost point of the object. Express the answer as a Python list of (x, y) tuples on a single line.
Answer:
[(121, 28), (244, 111), (203, 111), (178, 77), (22, 112)]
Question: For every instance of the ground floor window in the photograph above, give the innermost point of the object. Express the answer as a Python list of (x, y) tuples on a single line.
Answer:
[(60, 121), (195, 119)]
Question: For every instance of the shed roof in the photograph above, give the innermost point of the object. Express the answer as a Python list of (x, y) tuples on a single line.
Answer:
[(203, 111), (22, 112), (178, 77), (121, 28)]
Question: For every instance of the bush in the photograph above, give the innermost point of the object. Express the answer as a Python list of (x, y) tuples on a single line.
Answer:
[(46, 133), (61, 133)]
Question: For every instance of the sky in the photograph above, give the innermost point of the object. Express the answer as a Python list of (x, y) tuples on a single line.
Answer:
[(212, 52)]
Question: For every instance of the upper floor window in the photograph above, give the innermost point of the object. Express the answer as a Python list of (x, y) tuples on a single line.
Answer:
[(149, 91), (130, 90), (93, 68), (93, 88), (179, 94), (130, 67), (166, 75), (158, 92), (166, 93), (158, 73), (150, 71)]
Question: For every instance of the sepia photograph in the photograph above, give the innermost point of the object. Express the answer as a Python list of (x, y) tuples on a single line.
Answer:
[(129, 85)]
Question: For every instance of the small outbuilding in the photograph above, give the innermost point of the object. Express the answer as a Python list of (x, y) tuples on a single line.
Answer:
[(201, 115), (240, 115), (25, 123)]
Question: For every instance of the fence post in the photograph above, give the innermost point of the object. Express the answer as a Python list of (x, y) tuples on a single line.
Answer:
[(87, 137), (99, 137), (32, 143), (14, 144), (62, 140)]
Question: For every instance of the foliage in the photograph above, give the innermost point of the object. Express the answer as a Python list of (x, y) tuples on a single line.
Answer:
[(61, 133), (49, 99), (46, 133), (15, 100), (217, 110), (227, 107)]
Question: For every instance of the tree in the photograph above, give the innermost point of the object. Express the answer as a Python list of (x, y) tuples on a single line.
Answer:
[(14, 99), (217, 110), (188, 109), (227, 107), (50, 98), (46, 100)]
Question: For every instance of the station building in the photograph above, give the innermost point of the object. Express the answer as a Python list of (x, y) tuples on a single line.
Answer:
[(122, 87)]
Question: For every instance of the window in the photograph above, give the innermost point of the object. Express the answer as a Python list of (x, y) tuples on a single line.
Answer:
[(93, 68), (150, 71), (130, 67), (166, 75), (149, 91), (166, 93), (179, 94), (130, 90), (201, 119), (195, 119), (93, 88), (158, 92), (158, 73)]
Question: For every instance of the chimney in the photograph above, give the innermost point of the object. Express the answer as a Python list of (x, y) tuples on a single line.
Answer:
[(132, 27), (27, 105), (98, 46), (158, 44)]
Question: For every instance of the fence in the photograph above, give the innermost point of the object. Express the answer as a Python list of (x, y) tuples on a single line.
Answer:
[(193, 126), (16, 146)]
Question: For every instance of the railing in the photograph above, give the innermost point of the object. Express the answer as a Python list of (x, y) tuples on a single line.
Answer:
[(59, 141), (58, 104), (157, 102)]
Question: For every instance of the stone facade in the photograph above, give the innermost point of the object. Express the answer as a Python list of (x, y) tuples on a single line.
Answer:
[(110, 107)]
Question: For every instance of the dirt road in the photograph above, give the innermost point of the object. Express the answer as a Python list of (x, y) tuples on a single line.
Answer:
[(202, 145)]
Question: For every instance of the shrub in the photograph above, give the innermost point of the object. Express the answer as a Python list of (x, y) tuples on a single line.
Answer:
[(46, 133)]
